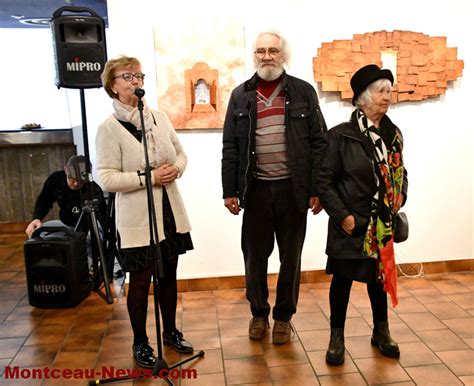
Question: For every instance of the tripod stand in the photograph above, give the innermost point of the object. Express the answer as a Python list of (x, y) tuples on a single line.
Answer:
[(161, 367), (90, 208)]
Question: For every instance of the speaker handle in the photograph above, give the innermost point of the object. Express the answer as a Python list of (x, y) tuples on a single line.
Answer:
[(59, 11), (37, 233)]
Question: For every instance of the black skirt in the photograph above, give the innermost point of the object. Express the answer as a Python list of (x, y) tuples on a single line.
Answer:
[(363, 270), (136, 259)]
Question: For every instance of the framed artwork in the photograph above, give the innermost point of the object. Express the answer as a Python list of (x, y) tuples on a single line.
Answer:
[(198, 64)]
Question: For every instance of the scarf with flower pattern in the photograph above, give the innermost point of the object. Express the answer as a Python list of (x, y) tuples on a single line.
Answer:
[(388, 162)]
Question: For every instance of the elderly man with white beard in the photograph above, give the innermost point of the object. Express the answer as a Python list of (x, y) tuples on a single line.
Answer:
[(273, 141)]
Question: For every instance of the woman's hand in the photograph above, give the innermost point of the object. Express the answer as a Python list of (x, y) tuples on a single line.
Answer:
[(165, 174), (32, 226), (348, 224)]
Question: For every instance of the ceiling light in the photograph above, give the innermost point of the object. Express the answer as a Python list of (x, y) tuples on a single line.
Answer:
[(36, 21)]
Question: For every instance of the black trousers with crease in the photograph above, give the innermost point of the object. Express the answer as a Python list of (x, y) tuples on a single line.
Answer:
[(271, 213)]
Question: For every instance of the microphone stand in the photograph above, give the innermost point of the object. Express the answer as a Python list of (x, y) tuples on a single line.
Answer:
[(161, 368)]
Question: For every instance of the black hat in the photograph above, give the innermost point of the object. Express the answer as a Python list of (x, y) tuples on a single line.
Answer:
[(366, 76), (76, 166)]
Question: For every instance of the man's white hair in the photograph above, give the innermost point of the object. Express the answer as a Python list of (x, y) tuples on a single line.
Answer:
[(284, 47)]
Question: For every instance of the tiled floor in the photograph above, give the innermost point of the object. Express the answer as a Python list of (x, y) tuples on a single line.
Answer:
[(433, 324)]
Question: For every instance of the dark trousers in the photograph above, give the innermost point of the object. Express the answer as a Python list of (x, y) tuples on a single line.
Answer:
[(339, 299), (270, 212)]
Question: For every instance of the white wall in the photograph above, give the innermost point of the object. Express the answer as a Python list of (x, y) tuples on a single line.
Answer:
[(438, 133)]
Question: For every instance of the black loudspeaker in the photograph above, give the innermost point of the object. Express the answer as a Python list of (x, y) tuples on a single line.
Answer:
[(57, 272), (79, 48)]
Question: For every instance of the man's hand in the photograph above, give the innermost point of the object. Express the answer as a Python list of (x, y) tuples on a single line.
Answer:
[(232, 203), (348, 224), (165, 174), (315, 205), (32, 226)]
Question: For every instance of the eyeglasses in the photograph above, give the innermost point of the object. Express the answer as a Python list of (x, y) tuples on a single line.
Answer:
[(261, 52), (128, 76)]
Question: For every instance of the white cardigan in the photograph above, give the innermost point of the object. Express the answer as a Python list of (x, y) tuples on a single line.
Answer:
[(118, 159)]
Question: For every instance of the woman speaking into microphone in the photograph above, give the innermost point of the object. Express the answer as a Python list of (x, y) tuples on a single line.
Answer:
[(120, 154)]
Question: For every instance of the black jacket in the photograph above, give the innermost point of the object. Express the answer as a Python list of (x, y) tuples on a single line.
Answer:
[(70, 202), (305, 128), (346, 185)]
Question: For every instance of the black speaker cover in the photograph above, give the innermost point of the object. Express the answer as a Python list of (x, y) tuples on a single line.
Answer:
[(79, 48), (57, 272)]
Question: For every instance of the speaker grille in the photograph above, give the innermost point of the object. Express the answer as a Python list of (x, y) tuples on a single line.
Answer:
[(79, 51)]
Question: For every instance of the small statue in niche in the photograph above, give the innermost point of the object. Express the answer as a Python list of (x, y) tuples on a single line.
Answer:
[(202, 93), (201, 89)]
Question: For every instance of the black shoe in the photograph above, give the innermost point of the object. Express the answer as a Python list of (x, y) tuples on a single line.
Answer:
[(381, 338), (178, 342), (144, 356), (336, 349)]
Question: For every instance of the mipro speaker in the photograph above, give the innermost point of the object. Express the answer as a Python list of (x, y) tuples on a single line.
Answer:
[(79, 47), (57, 272)]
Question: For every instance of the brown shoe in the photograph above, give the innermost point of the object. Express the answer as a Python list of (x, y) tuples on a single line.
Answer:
[(258, 328), (281, 332)]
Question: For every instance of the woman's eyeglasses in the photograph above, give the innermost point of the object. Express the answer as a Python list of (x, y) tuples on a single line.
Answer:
[(128, 76)]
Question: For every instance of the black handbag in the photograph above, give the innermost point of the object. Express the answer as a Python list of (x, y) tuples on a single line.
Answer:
[(400, 224)]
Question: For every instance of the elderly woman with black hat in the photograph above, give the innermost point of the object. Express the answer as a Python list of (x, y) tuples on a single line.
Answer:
[(362, 184)]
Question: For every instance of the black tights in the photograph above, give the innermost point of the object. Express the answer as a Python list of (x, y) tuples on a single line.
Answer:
[(339, 299), (137, 299)]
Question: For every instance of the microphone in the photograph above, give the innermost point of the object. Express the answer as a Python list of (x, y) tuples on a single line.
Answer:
[(139, 92)]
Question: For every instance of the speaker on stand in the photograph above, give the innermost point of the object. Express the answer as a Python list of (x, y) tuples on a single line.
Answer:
[(80, 56), (79, 47)]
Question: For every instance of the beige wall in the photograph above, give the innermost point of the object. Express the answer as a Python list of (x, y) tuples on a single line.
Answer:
[(438, 133)]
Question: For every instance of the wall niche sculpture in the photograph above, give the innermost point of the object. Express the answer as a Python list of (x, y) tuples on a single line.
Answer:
[(201, 89), (422, 65), (197, 65)]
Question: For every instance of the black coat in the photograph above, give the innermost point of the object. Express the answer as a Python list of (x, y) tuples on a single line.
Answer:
[(305, 128), (346, 185)]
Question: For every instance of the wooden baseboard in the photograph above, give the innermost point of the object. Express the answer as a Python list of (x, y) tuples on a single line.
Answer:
[(315, 276), (320, 276)]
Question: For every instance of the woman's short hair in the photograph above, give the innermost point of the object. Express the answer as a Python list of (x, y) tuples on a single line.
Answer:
[(365, 98), (284, 47), (111, 67)]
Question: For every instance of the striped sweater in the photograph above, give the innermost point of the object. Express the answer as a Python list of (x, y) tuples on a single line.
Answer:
[(271, 149)]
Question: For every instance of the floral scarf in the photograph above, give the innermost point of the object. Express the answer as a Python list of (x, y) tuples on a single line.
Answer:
[(389, 170), (158, 154)]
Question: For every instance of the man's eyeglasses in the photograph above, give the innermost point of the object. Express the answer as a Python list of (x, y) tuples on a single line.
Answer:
[(128, 76), (261, 52)]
